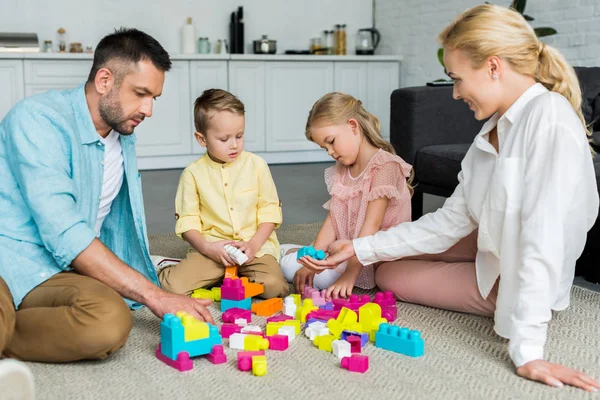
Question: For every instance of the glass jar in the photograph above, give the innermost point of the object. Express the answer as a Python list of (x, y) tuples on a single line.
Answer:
[(329, 41), (316, 45), (76, 47), (62, 40), (48, 48), (203, 45), (340, 39)]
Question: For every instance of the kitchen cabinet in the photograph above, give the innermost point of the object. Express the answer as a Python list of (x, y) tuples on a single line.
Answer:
[(11, 82)]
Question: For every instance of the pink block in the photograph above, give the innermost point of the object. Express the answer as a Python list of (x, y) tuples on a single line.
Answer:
[(385, 299), (318, 297), (389, 313), (279, 318), (229, 329), (356, 363), (217, 355), (323, 315), (279, 342), (245, 359), (234, 313), (354, 343), (182, 364), (232, 289), (354, 302)]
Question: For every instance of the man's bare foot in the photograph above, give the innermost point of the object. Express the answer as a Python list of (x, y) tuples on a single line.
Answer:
[(345, 283)]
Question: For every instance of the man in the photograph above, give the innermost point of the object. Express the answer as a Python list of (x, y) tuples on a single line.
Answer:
[(73, 239)]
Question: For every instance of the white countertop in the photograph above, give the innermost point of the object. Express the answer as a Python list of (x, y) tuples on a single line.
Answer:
[(199, 57)]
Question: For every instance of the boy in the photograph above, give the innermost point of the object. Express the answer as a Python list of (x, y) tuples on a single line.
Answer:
[(225, 197)]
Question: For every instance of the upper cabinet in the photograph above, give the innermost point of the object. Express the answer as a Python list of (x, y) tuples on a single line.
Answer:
[(11, 82)]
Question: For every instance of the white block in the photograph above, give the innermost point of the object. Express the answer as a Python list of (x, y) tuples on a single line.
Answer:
[(341, 348), (316, 329), (236, 254), (236, 341), (289, 331), (251, 328), (241, 321), (289, 307)]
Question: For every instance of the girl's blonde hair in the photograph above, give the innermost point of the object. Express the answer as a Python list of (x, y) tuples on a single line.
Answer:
[(337, 108), (489, 30)]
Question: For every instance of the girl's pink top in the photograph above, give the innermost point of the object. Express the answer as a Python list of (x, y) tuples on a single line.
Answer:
[(384, 176)]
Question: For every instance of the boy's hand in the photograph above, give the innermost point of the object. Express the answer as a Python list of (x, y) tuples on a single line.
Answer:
[(217, 252), (303, 277), (249, 249)]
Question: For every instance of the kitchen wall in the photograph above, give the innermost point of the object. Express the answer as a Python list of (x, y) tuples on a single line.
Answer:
[(291, 23), (410, 28)]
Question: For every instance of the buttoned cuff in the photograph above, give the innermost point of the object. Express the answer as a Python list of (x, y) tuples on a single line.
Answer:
[(364, 251), (185, 224)]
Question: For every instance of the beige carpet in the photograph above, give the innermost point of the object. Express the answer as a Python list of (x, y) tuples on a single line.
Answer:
[(463, 359)]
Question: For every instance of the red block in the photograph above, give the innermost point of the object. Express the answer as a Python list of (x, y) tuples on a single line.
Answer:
[(232, 289), (234, 313), (217, 355), (356, 363), (385, 299), (354, 343), (323, 315), (245, 359), (229, 329), (279, 342), (279, 318)]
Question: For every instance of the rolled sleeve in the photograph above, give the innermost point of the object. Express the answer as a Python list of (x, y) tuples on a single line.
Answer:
[(187, 205), (269, 207), (38, 157)]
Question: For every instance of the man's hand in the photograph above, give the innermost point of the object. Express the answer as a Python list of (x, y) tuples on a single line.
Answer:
[(556, 375), (339, 251), (216, 251), (165, 303), (303, 277), (249, 248)]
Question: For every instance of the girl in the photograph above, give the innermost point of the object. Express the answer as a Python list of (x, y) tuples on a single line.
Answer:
[(368, 187), (526, 196)]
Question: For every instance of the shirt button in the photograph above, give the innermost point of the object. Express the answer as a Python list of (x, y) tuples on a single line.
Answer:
[(225, 183), (43, 274), (237, 234), (102, 162), (231, 208)]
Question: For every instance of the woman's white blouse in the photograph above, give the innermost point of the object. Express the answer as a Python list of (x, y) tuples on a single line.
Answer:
[(533, 203)]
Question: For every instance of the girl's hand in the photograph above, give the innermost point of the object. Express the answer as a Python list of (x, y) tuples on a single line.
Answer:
[(303, 277), (557, 375), (339, 251), (345, 283)]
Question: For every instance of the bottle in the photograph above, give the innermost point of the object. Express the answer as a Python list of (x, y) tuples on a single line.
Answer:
[(188, 37), (240, 31), (329, 41), (340, 39), (62, 40)]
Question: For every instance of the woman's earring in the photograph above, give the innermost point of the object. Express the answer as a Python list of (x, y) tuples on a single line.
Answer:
[(494, 76)]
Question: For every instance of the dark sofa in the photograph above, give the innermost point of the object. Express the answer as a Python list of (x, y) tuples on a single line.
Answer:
[(432, 131)]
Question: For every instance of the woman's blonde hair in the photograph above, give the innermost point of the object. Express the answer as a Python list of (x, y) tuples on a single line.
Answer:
[(337, 108), (489, 30)]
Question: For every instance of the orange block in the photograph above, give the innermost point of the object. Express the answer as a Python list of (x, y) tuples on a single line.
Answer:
[(231, 272), (267, 307), (252, 289)]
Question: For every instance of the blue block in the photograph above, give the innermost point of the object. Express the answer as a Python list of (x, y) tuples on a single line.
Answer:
[(400, 340), (364, 337), (173, 342), (327, 306), (245, 304), (310, 251)]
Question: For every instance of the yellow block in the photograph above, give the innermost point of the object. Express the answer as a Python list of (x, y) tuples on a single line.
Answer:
[(202, 294), (193, 329), (259, 365), (347, 316), (370, 318), (297, 299), (305, 309), (216, 291), (273, 327), (255, 343), (335, 328), (324, 342)]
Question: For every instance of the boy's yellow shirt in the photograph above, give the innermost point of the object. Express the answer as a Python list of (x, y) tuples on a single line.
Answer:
[(228, 201)]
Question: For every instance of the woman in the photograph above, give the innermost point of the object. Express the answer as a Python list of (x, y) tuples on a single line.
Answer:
[(511, 232)]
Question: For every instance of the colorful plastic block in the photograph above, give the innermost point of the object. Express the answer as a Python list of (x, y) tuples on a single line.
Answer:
[(318, 297), (172, 337), (362, 337), (289, 306), (370, 318), (251, 329), (323, 315), (217, 355), (237, 340), (288, 331), (182, 363), (354, 344), (279, 342), (259, 365), (245, 359), (305, 309), (279, 318), (252, 289), (273, 327), (341, 348), (243, 304), (232, 289), (389, 313), (255, 343), (354, 302), (316, 329), (238, 256), (209, 294), (193, 329), (324, 342), (306, 251), (347, 316), (327, 306), (355, 363), (385, 299), (241, 322), (400, 340), (267, 307), (229, 329), (297, 298), (231, 272), (235, 313)]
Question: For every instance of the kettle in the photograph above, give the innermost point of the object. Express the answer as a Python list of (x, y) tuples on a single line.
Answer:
[(367, 40)]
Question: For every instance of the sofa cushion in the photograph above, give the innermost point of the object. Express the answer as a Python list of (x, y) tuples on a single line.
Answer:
[(439, 165)]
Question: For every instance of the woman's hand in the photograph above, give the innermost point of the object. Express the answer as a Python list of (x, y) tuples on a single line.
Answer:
[(557, 375), (339, 251)]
